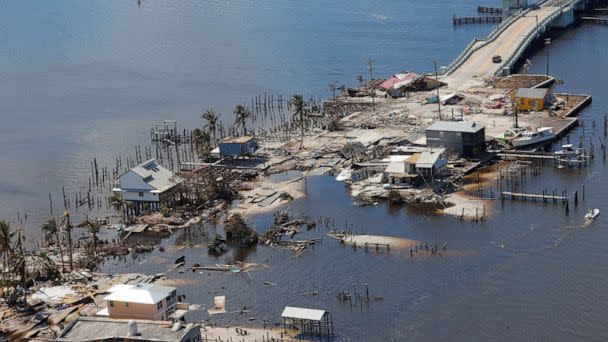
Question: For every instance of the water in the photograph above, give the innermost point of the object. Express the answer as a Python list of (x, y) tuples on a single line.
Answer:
[(88, 79), (84, 79)]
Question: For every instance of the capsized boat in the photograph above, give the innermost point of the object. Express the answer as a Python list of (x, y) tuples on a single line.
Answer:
[(592, 214), (539, 136)]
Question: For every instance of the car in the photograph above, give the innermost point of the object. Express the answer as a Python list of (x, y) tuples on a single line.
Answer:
[(496, 59)]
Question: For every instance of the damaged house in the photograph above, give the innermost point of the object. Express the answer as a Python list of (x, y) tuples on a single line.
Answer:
[(421, 165), (400, 84)]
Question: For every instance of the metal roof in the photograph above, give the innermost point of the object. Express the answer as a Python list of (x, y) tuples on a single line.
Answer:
[(456, 126), (237, 140), (139, 293), (303, 313), (104, 329), (156, 175), (532, 93), (428, 159)]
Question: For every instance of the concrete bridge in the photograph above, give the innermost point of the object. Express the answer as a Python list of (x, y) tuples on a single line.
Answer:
[(508, 40)]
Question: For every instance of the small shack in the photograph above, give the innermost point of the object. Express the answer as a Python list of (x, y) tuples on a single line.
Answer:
[(531, 98), (462, 137), (235, 147), (406, 168), (310, 322)]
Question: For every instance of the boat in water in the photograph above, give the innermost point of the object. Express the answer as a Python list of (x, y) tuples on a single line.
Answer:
[(592, 214), (539, 136)]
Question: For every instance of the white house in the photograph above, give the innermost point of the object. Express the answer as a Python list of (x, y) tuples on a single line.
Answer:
[(144, 301), (148, 182)]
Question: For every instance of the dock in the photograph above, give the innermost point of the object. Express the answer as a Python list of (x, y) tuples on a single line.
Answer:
[(484, 9), (595, 20), (476, 20), (544, 197)]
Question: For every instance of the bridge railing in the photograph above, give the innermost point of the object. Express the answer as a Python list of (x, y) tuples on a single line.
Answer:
[(496, 31), (526, 42)]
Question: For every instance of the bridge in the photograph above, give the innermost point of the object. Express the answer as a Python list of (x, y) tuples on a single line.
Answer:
[(508, 40)]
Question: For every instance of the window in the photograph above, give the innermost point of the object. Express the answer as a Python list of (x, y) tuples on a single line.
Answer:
[(159, 305), (141, 194), (126, 304), (441, 134), (111, 303), (458, 134)]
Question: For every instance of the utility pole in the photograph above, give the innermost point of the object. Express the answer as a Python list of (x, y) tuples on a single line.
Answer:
[(370, 68), (547, 45), (437, 87)]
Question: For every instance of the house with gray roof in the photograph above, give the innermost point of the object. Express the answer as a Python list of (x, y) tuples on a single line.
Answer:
[(148, 182)]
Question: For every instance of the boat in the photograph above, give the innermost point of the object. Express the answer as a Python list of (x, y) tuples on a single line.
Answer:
[(539, 136), (592, 214)]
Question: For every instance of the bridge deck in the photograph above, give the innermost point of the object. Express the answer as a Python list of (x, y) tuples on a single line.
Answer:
[(479, 64)]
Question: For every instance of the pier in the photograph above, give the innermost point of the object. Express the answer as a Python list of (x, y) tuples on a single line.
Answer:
[(476, 20), (544, 197), (483, 9), (595, 20)]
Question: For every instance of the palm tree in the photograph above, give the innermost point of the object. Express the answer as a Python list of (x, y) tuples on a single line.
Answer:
[(202, 141), (300, 108), (67, 225), (242, 114), (213, 121), (6, 242), (94, 227), (118, 204), (51, 229)]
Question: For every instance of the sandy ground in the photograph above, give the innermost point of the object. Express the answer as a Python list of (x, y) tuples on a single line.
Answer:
[(462, 204), (247, 207), (253, 334), (393, 242)]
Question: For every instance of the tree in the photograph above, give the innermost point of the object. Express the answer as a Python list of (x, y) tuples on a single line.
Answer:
[(67, 226), (202, 141), (241, 115), (212, 122), (6, 242), (119, 205), (51, 230), (300, 108), (94, 227)]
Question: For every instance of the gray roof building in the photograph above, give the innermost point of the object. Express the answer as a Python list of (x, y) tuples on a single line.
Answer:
[(104, 329)]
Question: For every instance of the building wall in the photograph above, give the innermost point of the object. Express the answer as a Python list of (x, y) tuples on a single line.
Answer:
[(233, 149), (135, 196), (132, 181), (524, 103), (142, 311), (465, 144)]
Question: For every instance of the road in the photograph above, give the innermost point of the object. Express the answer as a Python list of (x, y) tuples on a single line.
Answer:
[(479, 65)]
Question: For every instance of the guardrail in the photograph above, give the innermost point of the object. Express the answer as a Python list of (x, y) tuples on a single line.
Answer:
[(526, 42), (496, 31)]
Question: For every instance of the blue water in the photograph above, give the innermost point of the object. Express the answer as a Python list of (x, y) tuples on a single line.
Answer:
[(87, 79), (84, 79)]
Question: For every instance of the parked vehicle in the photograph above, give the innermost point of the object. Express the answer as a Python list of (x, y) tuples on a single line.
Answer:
[(496, 59)]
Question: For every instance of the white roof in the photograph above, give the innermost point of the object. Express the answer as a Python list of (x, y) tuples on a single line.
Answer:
[(303, 313), (429, 158), (156, 175), (139, 293)]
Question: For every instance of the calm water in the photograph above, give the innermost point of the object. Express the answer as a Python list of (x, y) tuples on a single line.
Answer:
[(82, 79)]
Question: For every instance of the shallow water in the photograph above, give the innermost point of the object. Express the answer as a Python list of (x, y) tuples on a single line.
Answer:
[(84, 79)]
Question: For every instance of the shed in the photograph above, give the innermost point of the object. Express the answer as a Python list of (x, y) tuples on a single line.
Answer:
[(237, 146), (309, 321), (531, 98)]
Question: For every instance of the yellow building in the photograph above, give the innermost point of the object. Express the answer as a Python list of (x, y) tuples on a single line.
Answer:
[(531, 98)]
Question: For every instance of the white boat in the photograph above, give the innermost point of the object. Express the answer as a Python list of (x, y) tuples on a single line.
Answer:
[(592, 214), (539, 136)]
